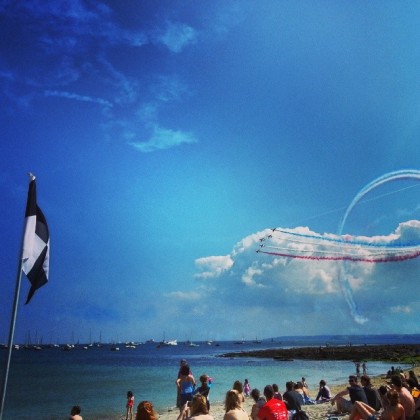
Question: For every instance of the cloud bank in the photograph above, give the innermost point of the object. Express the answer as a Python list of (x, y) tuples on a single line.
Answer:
[(278, 295)]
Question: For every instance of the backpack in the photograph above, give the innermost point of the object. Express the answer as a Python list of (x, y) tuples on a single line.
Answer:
[(300, 415)]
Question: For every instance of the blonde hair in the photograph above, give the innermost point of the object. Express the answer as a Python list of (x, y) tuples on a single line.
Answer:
[(232, 400), (199, 405)]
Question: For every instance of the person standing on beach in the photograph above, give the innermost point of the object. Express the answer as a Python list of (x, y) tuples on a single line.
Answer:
[(129, 405), (273, 409), (356, 392), (204, 389), (178, 392), (186, 385)]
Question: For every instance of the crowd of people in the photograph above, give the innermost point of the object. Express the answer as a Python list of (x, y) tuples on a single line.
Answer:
[(397, 399)]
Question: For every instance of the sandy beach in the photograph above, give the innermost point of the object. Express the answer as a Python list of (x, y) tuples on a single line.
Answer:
[(318, 411)]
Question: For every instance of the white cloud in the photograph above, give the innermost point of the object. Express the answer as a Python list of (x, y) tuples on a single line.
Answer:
[(211, 267), (177, 36), (163, 138), (305, 296), (185, 296), (77, 97), (401, 309)]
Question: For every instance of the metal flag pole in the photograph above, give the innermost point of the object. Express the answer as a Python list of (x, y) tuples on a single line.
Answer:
[(12, 326)]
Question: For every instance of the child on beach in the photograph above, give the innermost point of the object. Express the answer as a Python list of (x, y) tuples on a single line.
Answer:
[(129, 405), (204, 389), (75, 413), (247, 388)]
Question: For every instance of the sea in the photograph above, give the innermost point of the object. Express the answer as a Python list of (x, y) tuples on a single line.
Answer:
[(45, 384)]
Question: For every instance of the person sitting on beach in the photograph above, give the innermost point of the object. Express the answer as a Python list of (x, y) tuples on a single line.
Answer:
[(406, 399), (372, 394), (356, 392), (186, 385), (413, 376), (75, 413), (239, 387), (306, 399), (277, 394), (273, 409), (393, 411), (292, 398), (324, 393), (233, 407), (259, 401), (204, 389), (383, 391), (197, 409), (145, 411)]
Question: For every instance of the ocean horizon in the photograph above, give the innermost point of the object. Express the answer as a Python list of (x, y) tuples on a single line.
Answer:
[(47, 383)]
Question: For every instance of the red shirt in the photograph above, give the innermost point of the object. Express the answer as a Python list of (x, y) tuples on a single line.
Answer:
[(273, 409)]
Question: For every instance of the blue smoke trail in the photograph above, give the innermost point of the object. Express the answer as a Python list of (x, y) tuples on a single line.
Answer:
[(344, 284)]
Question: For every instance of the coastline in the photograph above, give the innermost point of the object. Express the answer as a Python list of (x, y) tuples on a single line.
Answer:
[(398, 353)]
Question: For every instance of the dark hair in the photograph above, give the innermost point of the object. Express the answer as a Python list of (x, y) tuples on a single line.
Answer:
[(393, 397), (130, 394), (366, 379), (255, 394), (268, 392), (275, 387), (290, 385), (75, 410), (396, 380), (184, 370), (238, 386), (383, 390), (322, 382)]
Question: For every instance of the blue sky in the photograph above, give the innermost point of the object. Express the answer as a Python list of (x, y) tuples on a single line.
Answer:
[(167, 137)]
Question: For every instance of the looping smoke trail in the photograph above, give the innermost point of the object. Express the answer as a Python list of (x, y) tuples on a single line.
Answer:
[(344, 284)]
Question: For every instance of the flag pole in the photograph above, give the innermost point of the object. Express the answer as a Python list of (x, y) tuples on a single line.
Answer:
[(12, 325)]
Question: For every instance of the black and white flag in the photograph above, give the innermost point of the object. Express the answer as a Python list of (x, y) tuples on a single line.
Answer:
[(36, 243)]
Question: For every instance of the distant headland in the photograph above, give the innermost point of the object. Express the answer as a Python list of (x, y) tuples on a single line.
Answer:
[(402, 353)]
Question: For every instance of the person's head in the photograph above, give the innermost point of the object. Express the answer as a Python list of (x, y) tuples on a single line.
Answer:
[(352, 380), (290, 385), (199, 405), (255, 394), (411, 383), (383, 390), (246, 381), (396, 381), (130, 394), (268, 392), (232, 400), (365, 380), (75, 410), (145, 411), (299, 385), (275, 387), (183, 362), (184, 370), (393, 397), (322, 383), (303, 379), (238, 386), (204, 378)]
